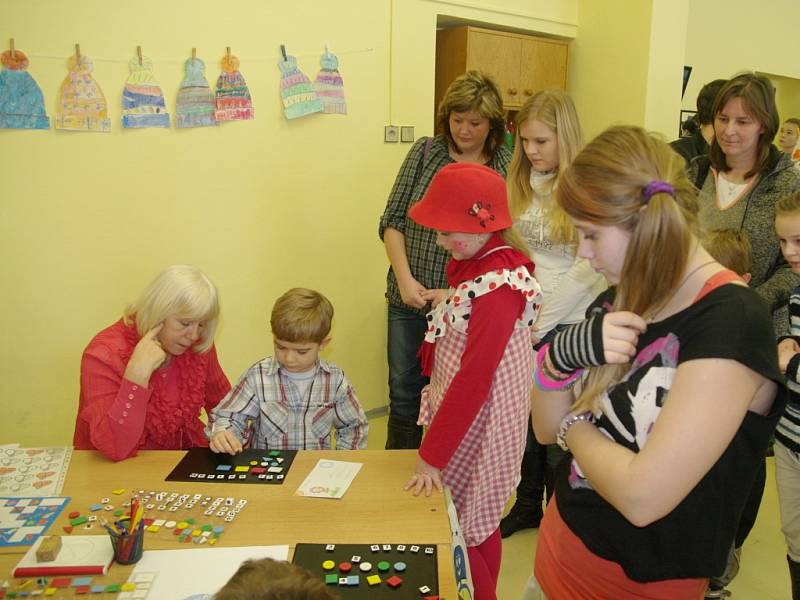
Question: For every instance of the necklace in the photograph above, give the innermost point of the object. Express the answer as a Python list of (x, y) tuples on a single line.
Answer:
[(652, 315)]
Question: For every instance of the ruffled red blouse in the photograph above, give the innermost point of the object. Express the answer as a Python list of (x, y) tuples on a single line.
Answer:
[(118, 417)]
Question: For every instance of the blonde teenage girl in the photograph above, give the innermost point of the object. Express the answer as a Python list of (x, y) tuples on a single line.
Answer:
[(548, 138), (677, 395), (478, 354)]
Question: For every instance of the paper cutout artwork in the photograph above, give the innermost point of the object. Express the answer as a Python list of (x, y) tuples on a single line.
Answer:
[(81, 103), (21, 100), (299, 97), (142, 100), (33, 471), (233, 97), (329, 85), (196, 104)]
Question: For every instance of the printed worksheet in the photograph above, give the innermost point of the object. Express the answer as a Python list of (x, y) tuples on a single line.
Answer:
[(28, 472), (329, 479)]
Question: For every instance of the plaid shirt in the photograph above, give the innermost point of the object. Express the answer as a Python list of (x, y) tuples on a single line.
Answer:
[(426, 260), (265, 410)]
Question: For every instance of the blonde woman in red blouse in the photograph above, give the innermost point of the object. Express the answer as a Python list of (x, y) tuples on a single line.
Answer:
[(145, 379)]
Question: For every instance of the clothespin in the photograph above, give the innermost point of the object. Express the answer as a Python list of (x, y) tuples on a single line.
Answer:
[(139, 54), (13, 52), (283, 52), (78, 52), (228, 53), (327, 52), (194, 54)]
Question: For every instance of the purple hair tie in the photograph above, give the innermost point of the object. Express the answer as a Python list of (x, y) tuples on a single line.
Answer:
[(656, 186)]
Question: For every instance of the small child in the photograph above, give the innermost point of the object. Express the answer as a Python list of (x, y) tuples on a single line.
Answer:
[(478, 354), (292, 400), (787, 434), (268, 579), (732, 249)]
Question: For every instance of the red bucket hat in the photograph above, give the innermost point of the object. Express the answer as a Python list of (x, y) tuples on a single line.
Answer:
[(464, 198)]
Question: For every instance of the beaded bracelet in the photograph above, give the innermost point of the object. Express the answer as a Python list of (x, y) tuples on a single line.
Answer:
[(546, 380), (569, 421)]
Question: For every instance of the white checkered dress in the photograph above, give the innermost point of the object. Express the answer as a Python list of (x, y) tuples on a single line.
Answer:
[(484, 470)]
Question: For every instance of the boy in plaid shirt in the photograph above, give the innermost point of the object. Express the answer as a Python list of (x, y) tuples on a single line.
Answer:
[(291, 401)]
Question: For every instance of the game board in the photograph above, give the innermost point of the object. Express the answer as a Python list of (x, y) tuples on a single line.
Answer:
[(201, 465), (26, 472), (23, 520), (415, 565)]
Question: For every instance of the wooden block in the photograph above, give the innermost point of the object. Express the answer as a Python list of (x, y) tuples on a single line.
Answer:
[(49, 548)]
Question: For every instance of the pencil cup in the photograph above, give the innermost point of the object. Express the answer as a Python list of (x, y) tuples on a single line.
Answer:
[(128, 547)]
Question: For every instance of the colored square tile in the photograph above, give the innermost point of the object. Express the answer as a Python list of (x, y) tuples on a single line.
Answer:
[(374, 579), (128, 586), (81, 581), (82, 589), (98, 589), (394, 581), (60, 582), (113, 588), (331, 578), (242, 469)]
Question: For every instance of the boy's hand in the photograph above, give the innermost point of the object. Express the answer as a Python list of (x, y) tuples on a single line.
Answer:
[(426, 478), (411, 292), (225, 442), (786, 351)]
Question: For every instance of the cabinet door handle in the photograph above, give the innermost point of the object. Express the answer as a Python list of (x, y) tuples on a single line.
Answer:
[(512, 92), (529, 92)]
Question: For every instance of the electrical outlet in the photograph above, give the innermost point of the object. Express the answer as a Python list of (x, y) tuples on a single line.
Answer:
[(391, 133), (407, 133)]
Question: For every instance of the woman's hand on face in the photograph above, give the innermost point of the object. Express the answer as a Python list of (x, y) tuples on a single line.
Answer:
[(435, 297), (426, 478), (147, 356), (225, 442), (411, 292), (786, 351), (621, 331)]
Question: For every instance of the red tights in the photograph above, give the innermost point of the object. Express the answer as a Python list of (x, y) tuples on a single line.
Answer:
[(484, 564)]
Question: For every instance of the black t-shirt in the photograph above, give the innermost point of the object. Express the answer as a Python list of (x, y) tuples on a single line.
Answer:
[(731, 322)]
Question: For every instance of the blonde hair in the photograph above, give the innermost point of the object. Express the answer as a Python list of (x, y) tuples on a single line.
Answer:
[(473, 91), (268, 579), (512, 237), (301, 315), (605, 185), (555, 109), (181, 290), (731, 248)]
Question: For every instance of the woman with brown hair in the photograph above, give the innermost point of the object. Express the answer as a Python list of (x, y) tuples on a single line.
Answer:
[(472, 124)]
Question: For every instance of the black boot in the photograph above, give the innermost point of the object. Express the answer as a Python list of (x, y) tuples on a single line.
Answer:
[(402, 434), (527, 510), (794, 573)]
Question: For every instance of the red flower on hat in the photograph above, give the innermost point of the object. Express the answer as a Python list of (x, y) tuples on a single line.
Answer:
[(481, 212)]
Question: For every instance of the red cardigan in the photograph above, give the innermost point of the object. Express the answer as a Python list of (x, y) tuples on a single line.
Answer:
[(118, 417), (491, 323)]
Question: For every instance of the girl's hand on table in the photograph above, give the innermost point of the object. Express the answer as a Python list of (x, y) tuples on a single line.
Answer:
[(426, 478)]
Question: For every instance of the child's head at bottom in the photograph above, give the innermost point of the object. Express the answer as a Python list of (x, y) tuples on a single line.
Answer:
[(301, 325), (466, 203), (787, 228), (732, 249), (268, 579)]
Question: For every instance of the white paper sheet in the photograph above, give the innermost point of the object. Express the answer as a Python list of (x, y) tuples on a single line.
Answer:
[(329, 479), (195, 571)]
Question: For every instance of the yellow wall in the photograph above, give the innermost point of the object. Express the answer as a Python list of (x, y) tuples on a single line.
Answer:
[(87, 219), (729, 36), (608, 63)]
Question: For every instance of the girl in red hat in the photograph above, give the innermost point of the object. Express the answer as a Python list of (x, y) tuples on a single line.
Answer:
[(478, 354)]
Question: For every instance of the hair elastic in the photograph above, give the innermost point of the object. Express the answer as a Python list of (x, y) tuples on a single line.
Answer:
[(656, 186)]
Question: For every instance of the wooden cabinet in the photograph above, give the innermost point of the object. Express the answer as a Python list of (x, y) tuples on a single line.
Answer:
[(521, 65)]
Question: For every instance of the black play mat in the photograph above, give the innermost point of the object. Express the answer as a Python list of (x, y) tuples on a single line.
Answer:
[(421, 569), (201, 465)]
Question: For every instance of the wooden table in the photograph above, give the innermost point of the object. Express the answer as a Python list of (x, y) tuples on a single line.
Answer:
[(375, 510)]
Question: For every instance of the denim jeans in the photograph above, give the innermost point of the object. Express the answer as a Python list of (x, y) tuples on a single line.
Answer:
[(405, 335)]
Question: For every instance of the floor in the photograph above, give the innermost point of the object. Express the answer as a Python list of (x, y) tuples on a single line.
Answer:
[(763, 574)]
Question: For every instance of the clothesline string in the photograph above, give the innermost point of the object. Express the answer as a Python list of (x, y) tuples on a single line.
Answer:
[(180, 61)]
